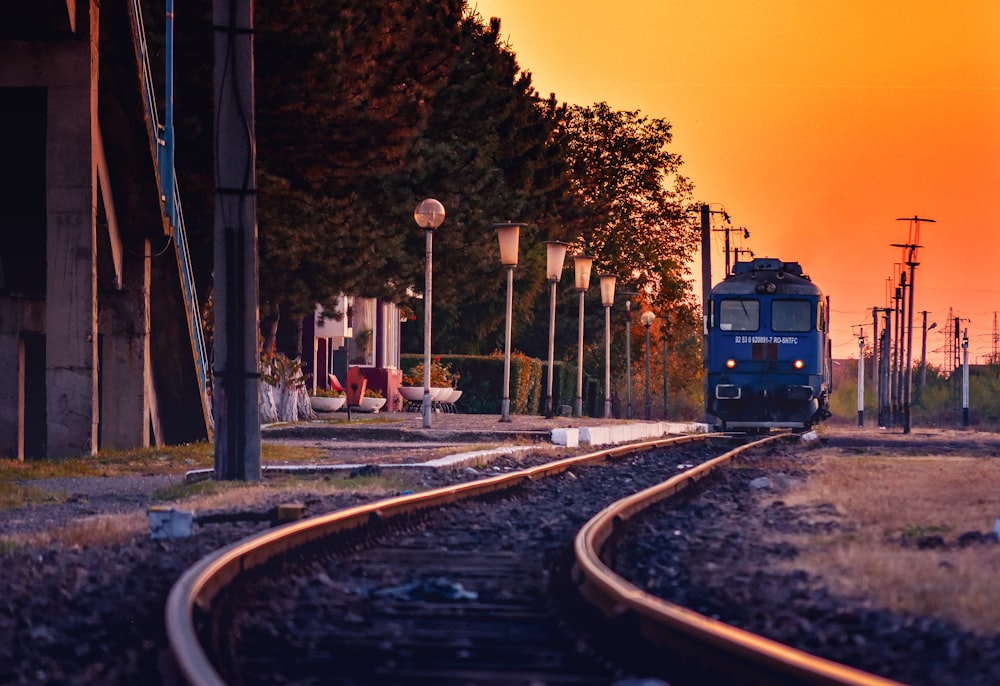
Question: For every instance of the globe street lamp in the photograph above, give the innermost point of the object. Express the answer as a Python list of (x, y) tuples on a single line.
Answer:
[(429, 215), (647, 318), (581, 265), (508, 235), (607, 299), (555, 256)]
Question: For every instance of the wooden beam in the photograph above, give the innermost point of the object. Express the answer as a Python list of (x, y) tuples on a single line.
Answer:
[(114, 235)]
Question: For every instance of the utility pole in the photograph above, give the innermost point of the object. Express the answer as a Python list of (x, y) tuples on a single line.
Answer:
[(727, 230), (876, 386), (861, 379), (911, 247), (965, 378), (237, 373), (897, 357), (923, 354), (884, 367)]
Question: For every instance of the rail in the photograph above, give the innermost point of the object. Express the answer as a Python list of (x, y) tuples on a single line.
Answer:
[(170, 196), (756, 659)]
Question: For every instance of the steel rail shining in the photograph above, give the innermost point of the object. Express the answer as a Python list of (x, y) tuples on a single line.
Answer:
[(201, 583), (616, 596)]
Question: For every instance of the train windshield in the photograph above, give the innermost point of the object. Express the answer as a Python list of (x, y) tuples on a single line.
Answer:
[(739, 315), (791, 315)]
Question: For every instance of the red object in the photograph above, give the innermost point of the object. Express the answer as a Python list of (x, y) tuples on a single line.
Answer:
[(356, 386), (335, 383)]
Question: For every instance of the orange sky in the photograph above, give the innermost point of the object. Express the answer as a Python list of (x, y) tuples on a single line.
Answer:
[(815, 125)]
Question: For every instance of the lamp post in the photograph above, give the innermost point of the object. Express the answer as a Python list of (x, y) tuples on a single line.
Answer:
[(628, 358), (647, 318), (607, 299), (555, 256), (508, 235), (429, 215), (581, 265)]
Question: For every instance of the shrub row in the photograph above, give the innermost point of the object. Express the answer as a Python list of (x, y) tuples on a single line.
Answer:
[(480, 378)]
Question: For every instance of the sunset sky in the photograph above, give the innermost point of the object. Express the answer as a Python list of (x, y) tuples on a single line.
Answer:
[(815, 125)]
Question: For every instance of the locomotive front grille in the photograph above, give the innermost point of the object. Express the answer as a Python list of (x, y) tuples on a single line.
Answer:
[(728, 391)]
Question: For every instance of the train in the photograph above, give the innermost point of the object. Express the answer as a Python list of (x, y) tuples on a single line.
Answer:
[(768, 358)]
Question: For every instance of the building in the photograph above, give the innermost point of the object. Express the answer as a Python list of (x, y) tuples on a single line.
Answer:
[(93, 289)]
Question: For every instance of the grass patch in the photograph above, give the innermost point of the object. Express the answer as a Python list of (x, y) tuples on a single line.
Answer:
[(885, 505)]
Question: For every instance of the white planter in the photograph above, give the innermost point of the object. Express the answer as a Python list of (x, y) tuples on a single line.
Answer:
[(324, 404), (439, 393), (371, 404), (413, 394)]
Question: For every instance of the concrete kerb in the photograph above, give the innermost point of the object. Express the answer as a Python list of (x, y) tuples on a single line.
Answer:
[(612, 434)]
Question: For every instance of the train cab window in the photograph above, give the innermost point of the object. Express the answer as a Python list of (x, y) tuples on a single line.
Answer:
[(791, 315), (739, 315)]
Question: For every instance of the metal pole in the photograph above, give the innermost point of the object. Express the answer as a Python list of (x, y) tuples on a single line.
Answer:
[(505, 408), (861, 381), (965, 378), (579, 363), (663, 340), (628, 359), (908, 367), (923, 356), (607, 362), (426, 408), (649, 413), (876, 386), (552, 349), (706, 298)]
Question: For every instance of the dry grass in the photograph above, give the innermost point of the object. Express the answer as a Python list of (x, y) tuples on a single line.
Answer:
[(886, 502), (96, 530)]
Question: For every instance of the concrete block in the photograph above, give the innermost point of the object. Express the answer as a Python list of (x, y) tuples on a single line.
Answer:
[(567, 437)]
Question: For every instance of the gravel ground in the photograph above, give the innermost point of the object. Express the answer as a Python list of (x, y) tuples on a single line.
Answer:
[(94, 614), (87, 615), (714, 554)]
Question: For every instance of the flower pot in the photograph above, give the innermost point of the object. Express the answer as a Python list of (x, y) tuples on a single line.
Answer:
[(325, 404), (413, 394), (439, 393), (371, 404)]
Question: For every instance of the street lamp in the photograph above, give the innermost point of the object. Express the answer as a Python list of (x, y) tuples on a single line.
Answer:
[(581, 264), (429, 215), (555, 256), (508, 235), (628, 358), (647, 318), (607, 299)]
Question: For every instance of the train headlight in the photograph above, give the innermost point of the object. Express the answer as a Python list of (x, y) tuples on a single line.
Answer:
[(730, 363), (798, 364)]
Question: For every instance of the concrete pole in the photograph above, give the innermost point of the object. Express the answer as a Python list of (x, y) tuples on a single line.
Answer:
[(237, 373), (923, 356), (908, 366), (965, 378), (861, 381), (876, 386)]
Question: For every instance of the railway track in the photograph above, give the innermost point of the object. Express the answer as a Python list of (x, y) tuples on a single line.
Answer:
[(428, 589)]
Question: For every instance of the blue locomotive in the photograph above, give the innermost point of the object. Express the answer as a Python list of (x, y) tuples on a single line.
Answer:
[(768, 358)]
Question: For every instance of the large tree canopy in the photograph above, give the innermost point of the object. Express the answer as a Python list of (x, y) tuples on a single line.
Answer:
[(365, 107)]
